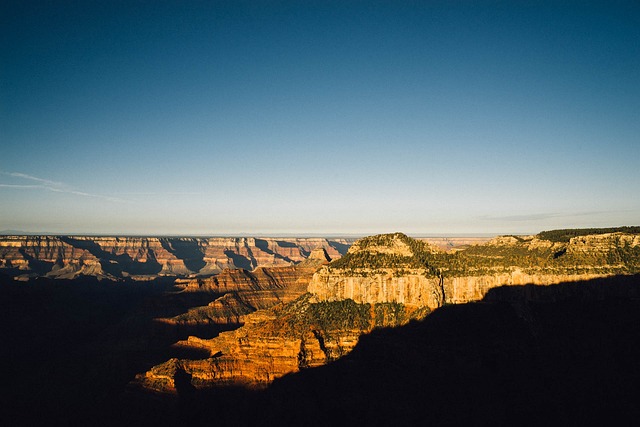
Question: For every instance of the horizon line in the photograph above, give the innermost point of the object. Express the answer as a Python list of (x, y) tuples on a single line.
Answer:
[(17, 233)]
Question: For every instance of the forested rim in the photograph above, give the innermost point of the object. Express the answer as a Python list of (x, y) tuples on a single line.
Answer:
[(565, 235)]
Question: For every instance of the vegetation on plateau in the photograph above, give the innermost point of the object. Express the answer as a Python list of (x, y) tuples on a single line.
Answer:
[(330, 317), (549, 252), (566, 234), (421, 254)]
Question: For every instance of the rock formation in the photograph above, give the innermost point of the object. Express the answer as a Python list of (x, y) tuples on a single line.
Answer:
[(369, 273), (243, 292), (299, 335), (383, 280), (145, 258)]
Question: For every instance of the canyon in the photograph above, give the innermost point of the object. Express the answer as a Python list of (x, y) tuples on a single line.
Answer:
[(384, 281), (213, 329), (146, 258)]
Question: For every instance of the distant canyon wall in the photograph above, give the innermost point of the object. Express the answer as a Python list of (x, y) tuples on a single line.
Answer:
[(67, 257)]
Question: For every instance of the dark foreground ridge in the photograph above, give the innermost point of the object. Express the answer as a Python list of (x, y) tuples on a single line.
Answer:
[(69, 347), (532, 355)]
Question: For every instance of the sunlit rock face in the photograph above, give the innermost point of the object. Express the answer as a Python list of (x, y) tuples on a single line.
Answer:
[(243, 292), (145, 258), (272, 343), (296, 306), (393, 268), (379, 269)]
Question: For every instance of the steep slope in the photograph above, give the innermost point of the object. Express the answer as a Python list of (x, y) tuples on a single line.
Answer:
[(309, 331), (272, 343), (529, 355), (383, 268), (247, 291), (419, 275), (145, 258), (243, 292), (385, 280)]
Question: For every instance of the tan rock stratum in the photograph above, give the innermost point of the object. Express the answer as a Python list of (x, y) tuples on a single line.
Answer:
[(145, 258), (385, 280)]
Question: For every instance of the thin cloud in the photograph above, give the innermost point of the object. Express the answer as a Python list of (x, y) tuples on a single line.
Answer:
[(61, 187), (21, 186), (53, 186), (539, 216), (161, 193), (35, 178), (525, 217), (83, 194)]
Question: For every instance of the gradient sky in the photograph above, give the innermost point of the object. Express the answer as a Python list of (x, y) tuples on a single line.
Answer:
[(274, 117)]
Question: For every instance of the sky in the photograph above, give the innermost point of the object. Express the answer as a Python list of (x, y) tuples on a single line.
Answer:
[(318, 117)]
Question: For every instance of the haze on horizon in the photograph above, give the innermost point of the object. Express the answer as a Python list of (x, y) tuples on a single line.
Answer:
[(273, 118)]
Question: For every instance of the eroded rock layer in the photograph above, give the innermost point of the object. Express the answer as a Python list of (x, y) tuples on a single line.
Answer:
[(396, 268), (145, 258), (383, 280), (243, 292), (303, 334)]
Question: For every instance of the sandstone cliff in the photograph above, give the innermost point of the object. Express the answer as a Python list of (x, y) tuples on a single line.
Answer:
[(419, 275), (243, 292), (145, 258), (303, 334), (383, 280)]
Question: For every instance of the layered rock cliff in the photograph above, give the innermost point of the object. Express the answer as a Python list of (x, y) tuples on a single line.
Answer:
[(384, 280), (145, 258), (416, 274), (243, 292), (287, 338)]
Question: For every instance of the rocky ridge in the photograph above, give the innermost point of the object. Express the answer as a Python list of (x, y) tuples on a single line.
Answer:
[(385, 280), (145, 258), (242, 293), (287, 338), (420, 275)]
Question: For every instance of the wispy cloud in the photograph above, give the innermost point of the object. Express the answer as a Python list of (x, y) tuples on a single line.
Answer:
[(538, 216), (34, 178), (162, 193), (53, 186), (60, 187), (525, 217), (21, 186)]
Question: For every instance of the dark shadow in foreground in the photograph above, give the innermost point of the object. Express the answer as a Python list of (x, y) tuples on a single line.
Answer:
[(525, 355), (69, 347)]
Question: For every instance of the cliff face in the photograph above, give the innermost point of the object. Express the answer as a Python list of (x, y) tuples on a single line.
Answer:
[(287, 338), (567, 360), (243, 292), (150, 257), (383, 280), (419, 276), (414, 289)]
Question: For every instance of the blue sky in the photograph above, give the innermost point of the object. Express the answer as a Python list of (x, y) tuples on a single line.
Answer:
[(273, 118)]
